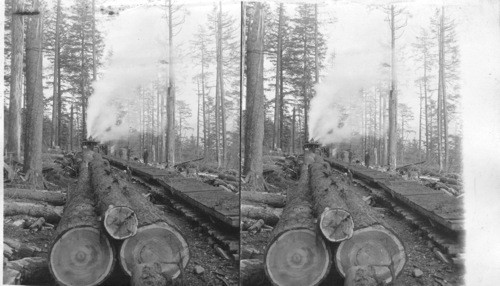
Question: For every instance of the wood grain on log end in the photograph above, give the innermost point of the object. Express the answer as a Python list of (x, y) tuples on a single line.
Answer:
[(297, 257), (336, 225), (158, 242), (372, 246), (120, 222), (149, 274), (81, 256)]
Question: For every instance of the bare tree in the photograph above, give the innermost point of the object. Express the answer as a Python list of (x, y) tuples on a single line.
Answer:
[(254, 123), (395, 25), (34, 93), (56, 95), (16, 80)]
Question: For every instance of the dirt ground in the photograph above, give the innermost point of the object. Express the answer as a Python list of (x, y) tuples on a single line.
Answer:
[(216, 270), (419, 254)]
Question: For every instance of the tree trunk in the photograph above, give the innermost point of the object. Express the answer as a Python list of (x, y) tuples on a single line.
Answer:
[(18, 249), (334, 219), (221, 86), (443, 96), (269, 215), (51, 214), (119, 220), (371, 243), (170, 92), (70, 261), (34, 93), (254, 123), (270, 199), (55, 85), (16, 81), (83, 77), (71, 129), (157, 238), (29, 270), (53, 198), (277, 97), (296, 253), (252, 272), (293, 132), (198, 121), (393, 99)]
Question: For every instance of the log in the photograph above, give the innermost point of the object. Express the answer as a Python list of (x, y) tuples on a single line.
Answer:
[(149, 274), (371, 244), (81, 254), (227, 177), (269, 215), (270, 199), (50, 197), (119, 219), (334, 221), (50, 213), (252, 273), (450, 181), (297, 253), (29, 270), (157, 239), (20, 249)]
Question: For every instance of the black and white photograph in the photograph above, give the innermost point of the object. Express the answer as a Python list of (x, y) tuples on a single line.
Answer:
[(251, 143), (122, 142)]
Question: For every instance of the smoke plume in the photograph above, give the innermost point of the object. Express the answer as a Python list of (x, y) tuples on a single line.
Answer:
[(136, 44)]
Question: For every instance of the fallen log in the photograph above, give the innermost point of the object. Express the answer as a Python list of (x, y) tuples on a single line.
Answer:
[(81, 253), (450, 181), (297, 253), (252, 273), (227, 177), (188, 161), (20, 249), (270, 199), (371, 244), (29, 270), (334, 221), (50, 197), (119, 219), (157, 239), (51, 214), (270, 216), (408, 165)]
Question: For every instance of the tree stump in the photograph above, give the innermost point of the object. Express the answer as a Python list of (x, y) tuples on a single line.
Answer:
[(157, 240), (334, 221), (81, 254), (297, 253), (119, 219)]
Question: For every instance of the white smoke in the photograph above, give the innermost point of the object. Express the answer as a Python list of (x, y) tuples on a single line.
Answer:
[(361, 63), (137, 44)]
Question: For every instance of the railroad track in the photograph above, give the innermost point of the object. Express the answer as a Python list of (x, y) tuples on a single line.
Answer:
[(437, 217), (210, 208)]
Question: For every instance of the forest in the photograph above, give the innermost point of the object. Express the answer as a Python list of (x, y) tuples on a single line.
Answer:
[(315, 90), (87, 86)]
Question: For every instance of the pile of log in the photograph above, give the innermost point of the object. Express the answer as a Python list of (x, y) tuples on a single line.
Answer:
[(106, 222), (322, 215)]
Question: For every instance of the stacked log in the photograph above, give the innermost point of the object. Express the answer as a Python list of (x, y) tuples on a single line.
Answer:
[(81, 253), (297, 254), (373, 247), (158, 243), (269, 215), (29, 270), (119, 220), (334, 221)]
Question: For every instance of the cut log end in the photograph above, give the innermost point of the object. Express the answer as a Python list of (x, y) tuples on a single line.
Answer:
[(120, 222), (336, 225), (297, 257), (159, 243), (372, 246), (81, 256)]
